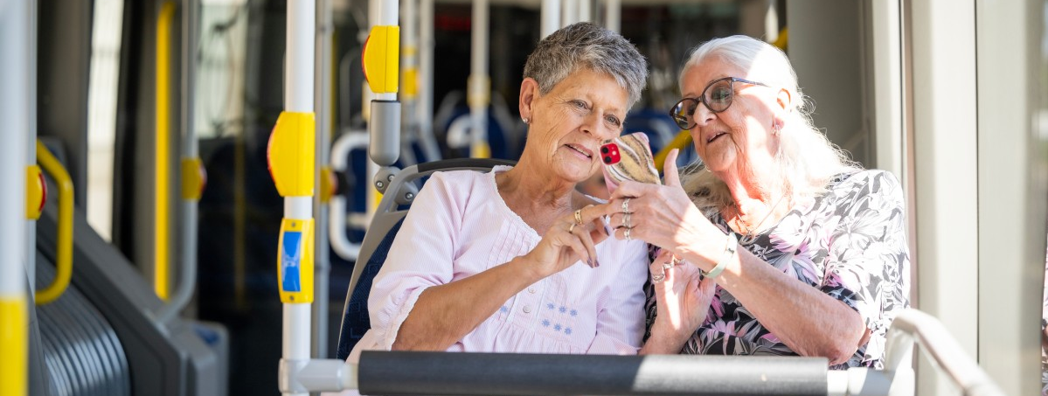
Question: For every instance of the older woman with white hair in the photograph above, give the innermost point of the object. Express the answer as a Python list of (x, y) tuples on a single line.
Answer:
[(777, 244), (516, 260)]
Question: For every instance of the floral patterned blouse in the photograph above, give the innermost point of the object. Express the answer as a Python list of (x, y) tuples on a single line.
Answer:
[(849, 243)]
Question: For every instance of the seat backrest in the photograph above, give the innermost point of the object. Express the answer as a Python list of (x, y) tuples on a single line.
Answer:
[(379, 237)]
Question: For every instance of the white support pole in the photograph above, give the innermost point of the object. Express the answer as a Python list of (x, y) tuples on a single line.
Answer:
[(301, 25), (569, 12), (30, 141), (425, 99), (613, 15), (324, 117), (585, 11), (479, 83), (550, 17), (298, 98), (14, 110)]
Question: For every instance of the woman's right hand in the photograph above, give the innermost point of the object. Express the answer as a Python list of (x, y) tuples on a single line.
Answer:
[(683, 300), (567, 242)]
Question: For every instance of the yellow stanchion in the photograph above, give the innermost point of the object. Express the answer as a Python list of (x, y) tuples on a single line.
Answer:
[(163, 132), (64, 263), (14, 341), (680, 142)]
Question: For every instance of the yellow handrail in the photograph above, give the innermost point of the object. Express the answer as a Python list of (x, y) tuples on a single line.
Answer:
[(783, 40), (163, 117), (65, 225), (682, 140)]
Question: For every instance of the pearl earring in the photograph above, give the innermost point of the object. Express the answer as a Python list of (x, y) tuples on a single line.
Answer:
[(525, 119)]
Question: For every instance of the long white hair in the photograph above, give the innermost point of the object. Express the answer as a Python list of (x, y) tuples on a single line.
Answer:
[(806, 160)]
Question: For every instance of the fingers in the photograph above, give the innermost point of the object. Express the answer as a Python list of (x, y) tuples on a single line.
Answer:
[(583, 235), (629, 188), (576, 244), (589, 213), (670, 175), (658, 267)]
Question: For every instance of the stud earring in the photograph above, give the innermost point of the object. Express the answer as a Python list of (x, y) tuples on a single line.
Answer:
[(525, 119)]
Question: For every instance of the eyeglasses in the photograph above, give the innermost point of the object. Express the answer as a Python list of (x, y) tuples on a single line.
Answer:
[(717, 97)]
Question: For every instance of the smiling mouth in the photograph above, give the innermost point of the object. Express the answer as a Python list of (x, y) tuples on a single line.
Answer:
[(715, 136), (580, 150)]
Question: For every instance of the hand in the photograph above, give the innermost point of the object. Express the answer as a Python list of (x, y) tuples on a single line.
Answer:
[(683, 299), (660, 215), (567, 241)]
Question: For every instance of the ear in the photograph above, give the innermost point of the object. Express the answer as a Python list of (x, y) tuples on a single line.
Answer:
[(529, 91), (784, 99)]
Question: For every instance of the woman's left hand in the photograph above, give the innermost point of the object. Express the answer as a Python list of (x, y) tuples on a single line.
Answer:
[(661, 215), (682, 300)]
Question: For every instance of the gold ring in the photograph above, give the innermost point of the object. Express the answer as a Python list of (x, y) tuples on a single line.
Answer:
[(572, 228), (578, 217)]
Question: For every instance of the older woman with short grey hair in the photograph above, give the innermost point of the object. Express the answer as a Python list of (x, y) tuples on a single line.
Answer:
[(777, 244), (515, 260)]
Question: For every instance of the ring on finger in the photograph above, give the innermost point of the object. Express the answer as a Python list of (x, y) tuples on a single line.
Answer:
[(626, 221), (658, 278), (626, 206), (674, 260), (578, 217), (572, 228), (628, 234)]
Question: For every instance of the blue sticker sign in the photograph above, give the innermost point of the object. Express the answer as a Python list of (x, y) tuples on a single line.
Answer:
[(290, 257)]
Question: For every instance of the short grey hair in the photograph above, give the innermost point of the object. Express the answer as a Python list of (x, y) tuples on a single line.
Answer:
[(585, 45), (806, 159)]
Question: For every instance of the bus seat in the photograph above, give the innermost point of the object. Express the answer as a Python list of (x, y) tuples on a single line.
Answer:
[(384, 226)]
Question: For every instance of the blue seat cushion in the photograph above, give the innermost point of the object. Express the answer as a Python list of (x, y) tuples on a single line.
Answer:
[(355, 320)]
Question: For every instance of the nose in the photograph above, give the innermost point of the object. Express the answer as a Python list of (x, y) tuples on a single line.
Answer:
[(703, 115), (591, 125)]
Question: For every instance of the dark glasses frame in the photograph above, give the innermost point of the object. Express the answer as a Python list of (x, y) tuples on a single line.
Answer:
[(679, 116)]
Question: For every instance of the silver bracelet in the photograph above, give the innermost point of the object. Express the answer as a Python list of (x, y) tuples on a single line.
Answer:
[(730, 247)]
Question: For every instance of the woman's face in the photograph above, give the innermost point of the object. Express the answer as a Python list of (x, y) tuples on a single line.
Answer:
[(736, 139), (569, 123)]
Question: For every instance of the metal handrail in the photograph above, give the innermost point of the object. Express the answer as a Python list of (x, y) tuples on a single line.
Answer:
[(912, 326), (163, 132), (64, 263)]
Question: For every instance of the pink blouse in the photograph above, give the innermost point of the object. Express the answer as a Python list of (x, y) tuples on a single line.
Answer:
[(459, 226)]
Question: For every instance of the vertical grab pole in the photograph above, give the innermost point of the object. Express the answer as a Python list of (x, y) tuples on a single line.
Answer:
[(324, 111), (291, 156), (569, 12), (161, 270), (585, 11), (550, 17), (479, 82), (192, 170), (382, 70), (14, 324), (425, 105), (613, 15)]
